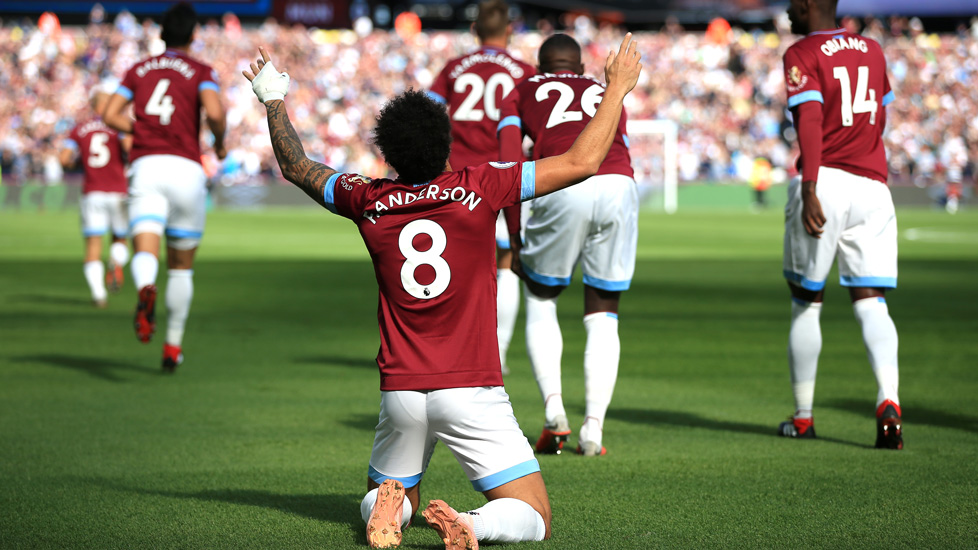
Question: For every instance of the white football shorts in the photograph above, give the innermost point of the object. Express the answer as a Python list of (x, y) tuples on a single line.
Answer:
[(595, 223), (168, 193), (102, 211), (476, 424), (502, 231), (860, 229)]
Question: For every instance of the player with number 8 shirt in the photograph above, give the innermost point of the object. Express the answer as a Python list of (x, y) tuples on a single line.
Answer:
[(430, 235), (840, 207)]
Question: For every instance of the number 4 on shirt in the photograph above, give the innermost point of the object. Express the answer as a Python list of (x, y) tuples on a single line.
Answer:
[(159, 103)]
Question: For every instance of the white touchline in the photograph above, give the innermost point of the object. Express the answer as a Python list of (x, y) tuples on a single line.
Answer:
[(936, 235)]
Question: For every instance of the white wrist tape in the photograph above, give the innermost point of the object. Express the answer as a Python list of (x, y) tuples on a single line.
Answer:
[(269, 84)]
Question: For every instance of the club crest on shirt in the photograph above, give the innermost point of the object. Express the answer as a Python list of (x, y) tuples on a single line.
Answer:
[(502, 165), (796, 80), (350, 179)]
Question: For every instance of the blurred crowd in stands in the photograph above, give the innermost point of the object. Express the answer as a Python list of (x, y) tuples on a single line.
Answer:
[(724, 89)]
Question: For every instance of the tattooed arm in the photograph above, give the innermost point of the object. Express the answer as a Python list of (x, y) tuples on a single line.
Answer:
[(271, 86), (306, 174)]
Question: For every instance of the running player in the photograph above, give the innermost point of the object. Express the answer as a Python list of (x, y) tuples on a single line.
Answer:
[(473, 86), (100, 150), (840, 207), (429, 233), (594, 224), (167, 190)]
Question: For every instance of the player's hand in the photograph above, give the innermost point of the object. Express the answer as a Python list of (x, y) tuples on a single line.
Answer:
[(268, 83), (812, 216), (622, 69), (220, 151), (515, 246)]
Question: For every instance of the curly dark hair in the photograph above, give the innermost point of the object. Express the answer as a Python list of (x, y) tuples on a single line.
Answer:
[(414, 135)]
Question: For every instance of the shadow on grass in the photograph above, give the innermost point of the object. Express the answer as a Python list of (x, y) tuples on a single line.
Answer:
[(99, 367), (52, 299), (364, 422), (912, 415), (357, 362), (689, 420), (338, 509)]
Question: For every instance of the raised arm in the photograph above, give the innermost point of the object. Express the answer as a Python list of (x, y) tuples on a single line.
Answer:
[(271, 86), (585, 156)]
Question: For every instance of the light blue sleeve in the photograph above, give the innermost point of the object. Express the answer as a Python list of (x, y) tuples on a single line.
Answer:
[(124, 92), (511, 120), (528, 181), (804, 97), (328, 191)]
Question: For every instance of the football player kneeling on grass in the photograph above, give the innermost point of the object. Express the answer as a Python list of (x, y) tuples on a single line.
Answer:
[(431, 236)]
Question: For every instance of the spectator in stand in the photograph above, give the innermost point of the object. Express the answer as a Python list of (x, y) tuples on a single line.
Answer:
[(727, 98)]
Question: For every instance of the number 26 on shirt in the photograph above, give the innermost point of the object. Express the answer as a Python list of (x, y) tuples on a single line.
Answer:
[(561, 112)]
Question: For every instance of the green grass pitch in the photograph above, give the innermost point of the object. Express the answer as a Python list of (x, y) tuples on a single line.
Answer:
[(262, 438)]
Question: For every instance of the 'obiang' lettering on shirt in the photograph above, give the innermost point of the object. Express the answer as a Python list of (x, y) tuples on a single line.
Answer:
[(840, 43)]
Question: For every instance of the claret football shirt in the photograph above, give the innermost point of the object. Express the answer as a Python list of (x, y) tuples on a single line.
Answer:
[(846, 73), (165, 94), (433, 251), (553, 109), (473, 86), (100, 153)]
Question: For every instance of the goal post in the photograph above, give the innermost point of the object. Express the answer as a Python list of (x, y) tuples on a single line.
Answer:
[(639, 130)]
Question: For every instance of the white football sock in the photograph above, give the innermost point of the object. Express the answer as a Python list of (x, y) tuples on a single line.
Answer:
[(601, 354), (119, 254), (507, 308), (507, 520), (179, 294), (880, 337), (144, 268), (545, 345), (804, 346), (95, 276), (367, 506)]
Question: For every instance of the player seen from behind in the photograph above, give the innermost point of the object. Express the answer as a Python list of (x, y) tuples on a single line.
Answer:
[(430, 236), (594, 224), (840, 207), (167, 188), (473, 87), (100, 151)]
